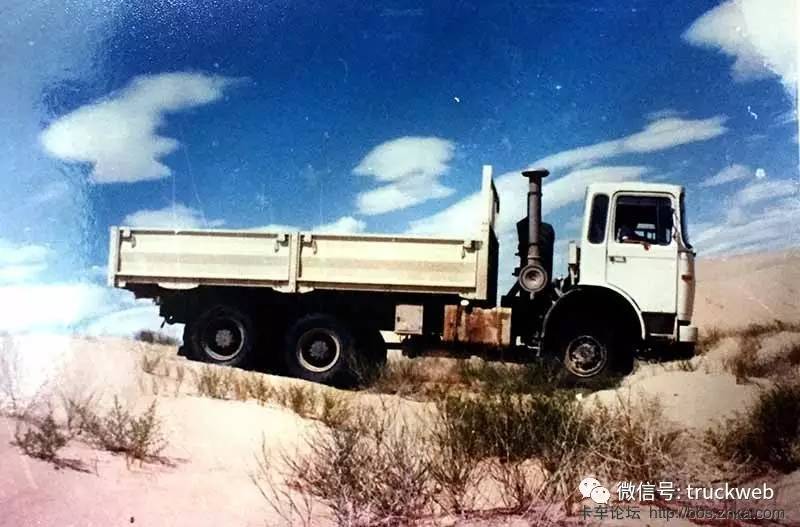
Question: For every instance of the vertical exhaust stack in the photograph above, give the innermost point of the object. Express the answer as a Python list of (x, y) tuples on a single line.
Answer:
[(533, 277)]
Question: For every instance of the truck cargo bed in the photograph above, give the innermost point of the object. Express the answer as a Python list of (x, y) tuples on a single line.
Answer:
[(298, 262)]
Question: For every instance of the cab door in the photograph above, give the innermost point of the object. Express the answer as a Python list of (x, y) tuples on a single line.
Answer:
[(642, 253)]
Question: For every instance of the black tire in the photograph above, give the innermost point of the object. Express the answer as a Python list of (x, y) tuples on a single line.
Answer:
[(593, 353), (221, 335), (319, 348)]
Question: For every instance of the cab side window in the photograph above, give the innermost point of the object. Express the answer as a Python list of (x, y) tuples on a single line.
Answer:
[(643, 219), (597, 219)]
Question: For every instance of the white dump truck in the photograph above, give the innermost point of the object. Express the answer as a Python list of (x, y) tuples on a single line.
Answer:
[(316, 303)]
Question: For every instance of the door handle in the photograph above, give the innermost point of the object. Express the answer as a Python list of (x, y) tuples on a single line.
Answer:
[(618, 259)]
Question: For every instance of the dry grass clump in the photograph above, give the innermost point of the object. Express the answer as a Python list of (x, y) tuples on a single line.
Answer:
[(306, 401), (120, 430), (162, 373), (746, 363), (624, 440), (502, 433), (41, 437), (155, 337), (401, 377), (371, 468), (215, 382), (368, 470), (138, 437), (766, 436), (149, 362), (220, 382), (421, 380), (709, 338), (631, 440), (498, 377)]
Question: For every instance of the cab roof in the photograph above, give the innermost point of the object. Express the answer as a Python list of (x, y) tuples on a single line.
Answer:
[(634, 186)]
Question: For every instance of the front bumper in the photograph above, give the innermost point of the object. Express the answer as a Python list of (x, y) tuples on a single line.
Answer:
[(687, 333)]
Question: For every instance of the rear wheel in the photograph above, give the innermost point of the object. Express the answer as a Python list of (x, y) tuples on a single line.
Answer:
[(221, 335), (318, 348)]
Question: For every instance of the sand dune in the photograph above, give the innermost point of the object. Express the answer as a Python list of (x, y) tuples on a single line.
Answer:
[(213, 443), (740, 290)]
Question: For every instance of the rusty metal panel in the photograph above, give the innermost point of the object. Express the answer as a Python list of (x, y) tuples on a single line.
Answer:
[(408, 319), (489, 327)]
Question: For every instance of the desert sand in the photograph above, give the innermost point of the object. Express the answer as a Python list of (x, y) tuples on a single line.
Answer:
[(206, 476), (746, 289)]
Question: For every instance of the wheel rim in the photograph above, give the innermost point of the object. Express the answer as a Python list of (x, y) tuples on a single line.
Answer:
[(585, 356), (223, 338), (318, 350)]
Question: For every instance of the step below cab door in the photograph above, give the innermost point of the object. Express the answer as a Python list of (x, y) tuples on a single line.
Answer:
[(642, 252)]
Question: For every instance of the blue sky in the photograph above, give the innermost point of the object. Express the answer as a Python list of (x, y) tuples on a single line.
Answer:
[(378, 117)]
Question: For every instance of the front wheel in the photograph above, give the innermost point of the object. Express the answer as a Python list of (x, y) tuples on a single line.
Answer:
[(590, 353), (586, 356)]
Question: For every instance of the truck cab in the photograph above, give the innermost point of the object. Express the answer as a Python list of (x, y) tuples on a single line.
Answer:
[(634, 242), (631, 281)]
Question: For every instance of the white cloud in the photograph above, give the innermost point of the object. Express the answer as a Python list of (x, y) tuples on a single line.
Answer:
[(275, 227), (761, 36), (119, 135), (19, 262), (762, 215), (763, 191), (406, 156), (661, 134), (177, 216), (411, 167), (730, 173), (344, 225), (403, 194)]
